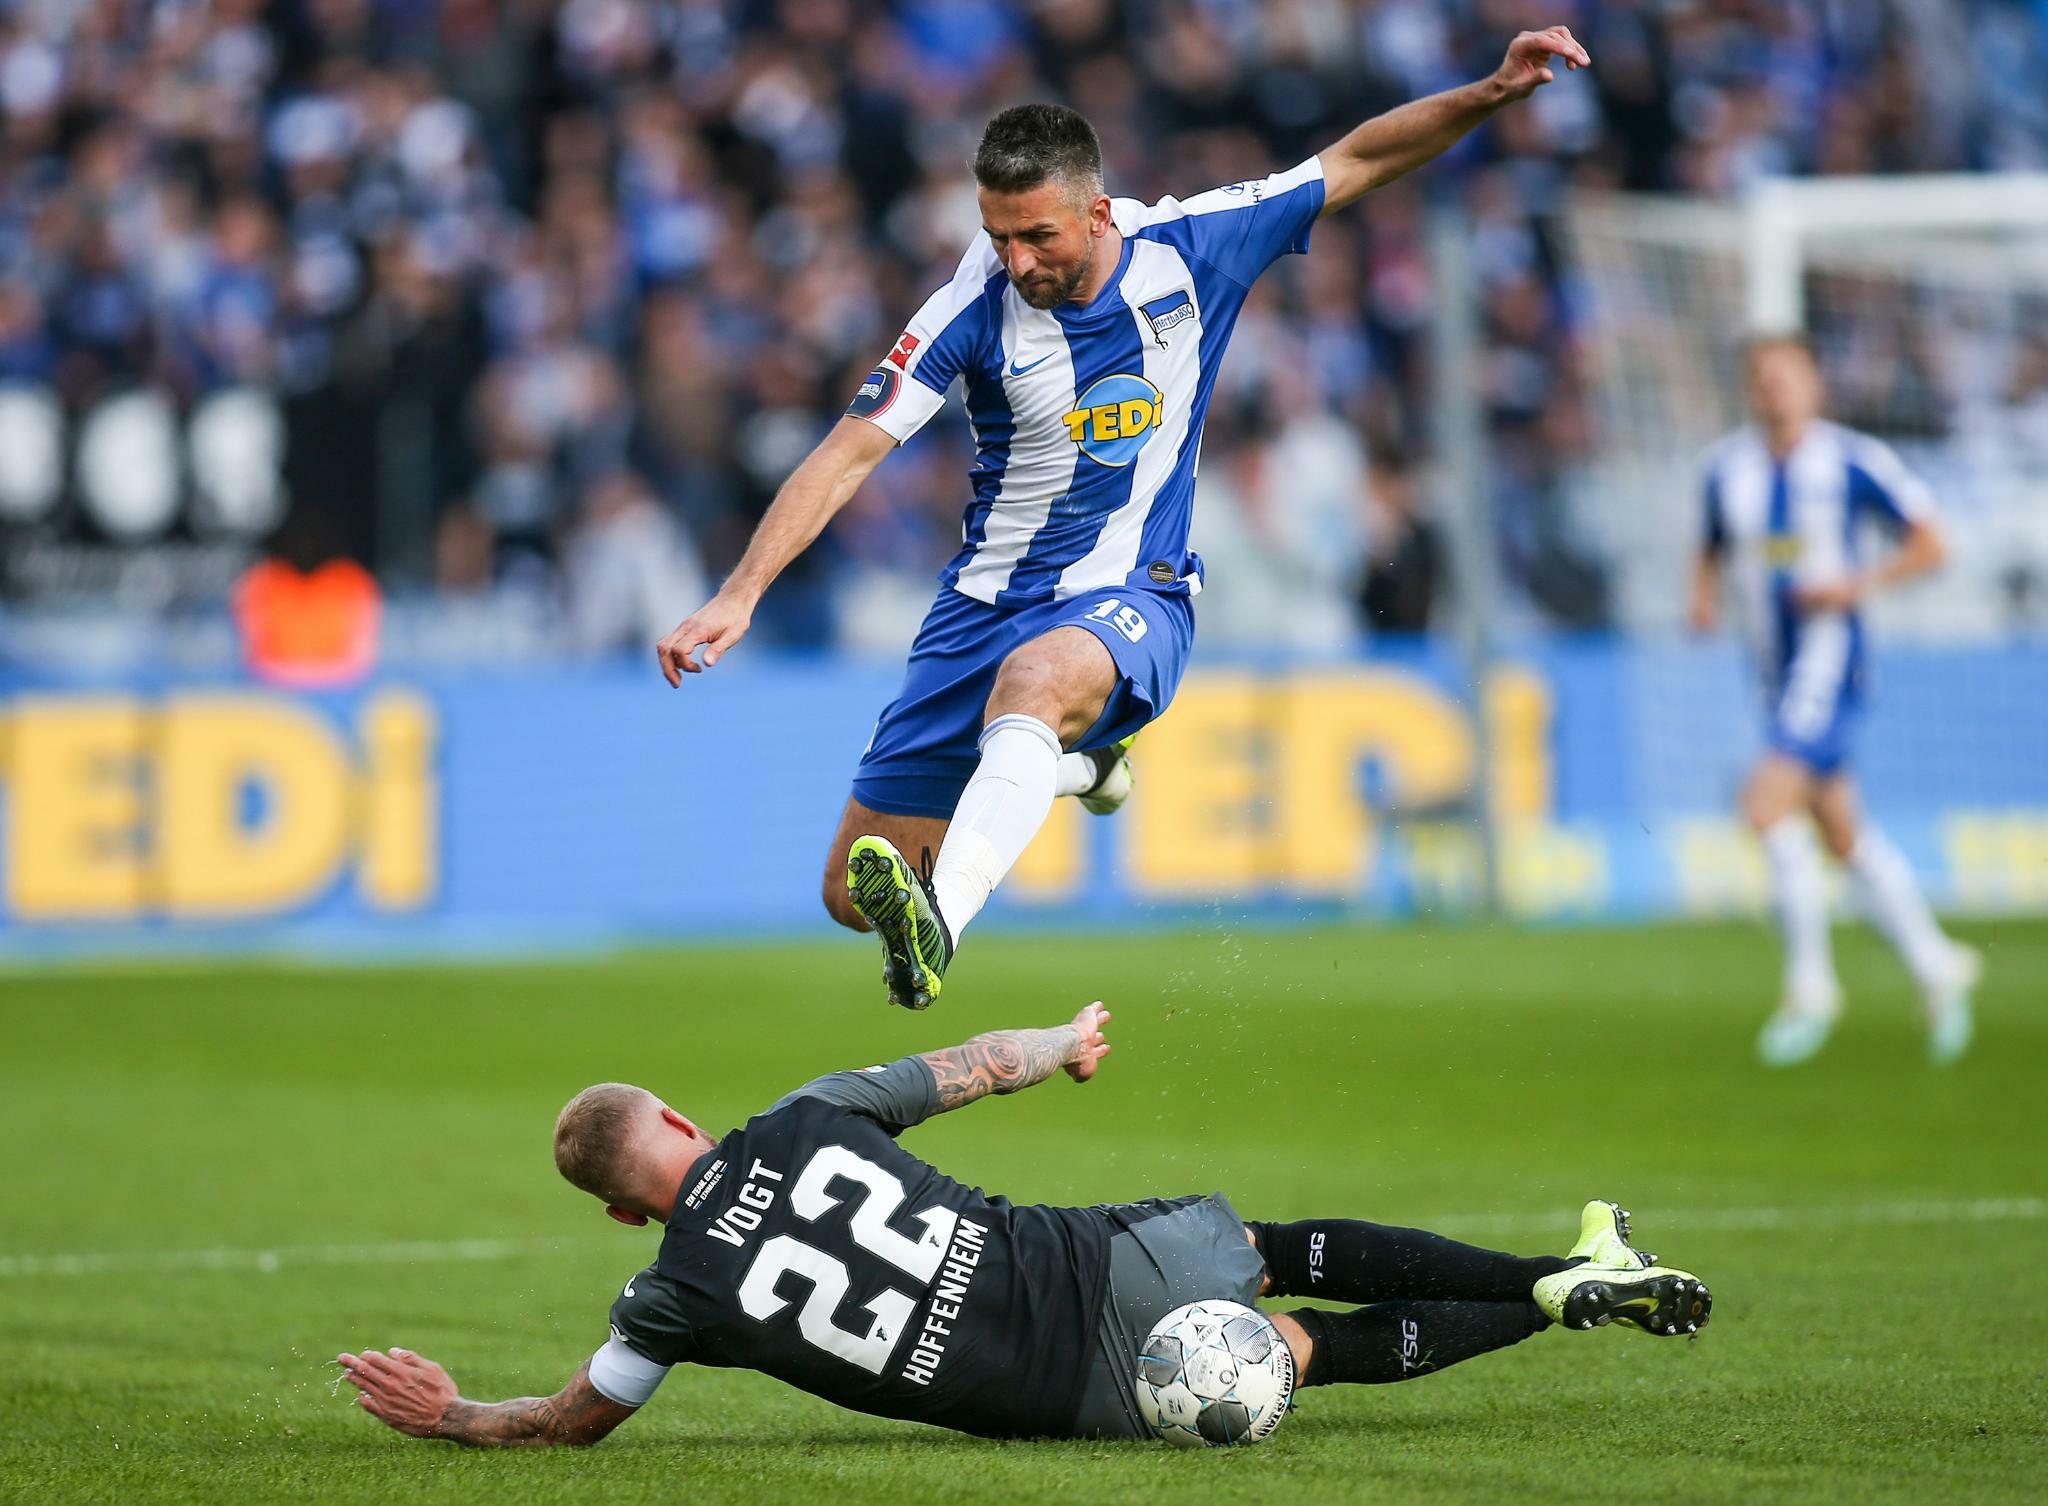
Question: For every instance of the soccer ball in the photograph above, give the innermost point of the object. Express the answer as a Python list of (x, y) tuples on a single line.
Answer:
[(1215, 1373)]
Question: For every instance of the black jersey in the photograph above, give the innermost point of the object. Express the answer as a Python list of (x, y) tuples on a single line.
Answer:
[(812, 1247)]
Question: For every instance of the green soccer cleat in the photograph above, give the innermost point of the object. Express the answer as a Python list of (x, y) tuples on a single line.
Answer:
[(1114, 779), (1653, 1299), (892, 896), (1603, 1238)]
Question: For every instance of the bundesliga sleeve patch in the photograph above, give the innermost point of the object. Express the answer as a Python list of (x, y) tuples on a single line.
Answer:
[(876, 393)]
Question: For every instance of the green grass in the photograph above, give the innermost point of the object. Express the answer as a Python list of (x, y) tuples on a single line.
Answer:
[(1483, 1082)]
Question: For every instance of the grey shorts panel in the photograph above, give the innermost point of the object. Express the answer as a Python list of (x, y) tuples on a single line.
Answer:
[(1194, 1252)]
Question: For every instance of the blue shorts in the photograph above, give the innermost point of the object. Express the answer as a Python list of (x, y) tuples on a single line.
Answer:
[(1817, 736), (924, 748)]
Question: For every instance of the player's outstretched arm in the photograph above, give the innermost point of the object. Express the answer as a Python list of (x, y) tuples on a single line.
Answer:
[(411, 1393), (1402, 140), (1003, 1061), (814, 492)]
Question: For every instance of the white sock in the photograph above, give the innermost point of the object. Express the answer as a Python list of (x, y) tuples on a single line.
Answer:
[(1800, 899), (999, 813), (1077, 775), (1890, 896)]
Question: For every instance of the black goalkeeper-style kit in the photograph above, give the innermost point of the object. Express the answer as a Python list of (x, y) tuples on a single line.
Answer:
[(812, 1247)]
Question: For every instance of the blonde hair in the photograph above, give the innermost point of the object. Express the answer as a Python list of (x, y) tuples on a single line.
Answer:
[(593, 1135)]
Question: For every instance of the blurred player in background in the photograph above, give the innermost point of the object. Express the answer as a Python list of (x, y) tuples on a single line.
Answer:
[(1087, 333), (809, 1245), (1785, 498)]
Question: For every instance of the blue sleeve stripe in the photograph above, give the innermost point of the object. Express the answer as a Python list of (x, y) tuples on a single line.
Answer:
[(1880, 484), (1867, 494), (952, 349)]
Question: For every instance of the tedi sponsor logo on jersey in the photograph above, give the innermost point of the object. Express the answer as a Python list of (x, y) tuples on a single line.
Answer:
[(1114, 418), (1781, 551)]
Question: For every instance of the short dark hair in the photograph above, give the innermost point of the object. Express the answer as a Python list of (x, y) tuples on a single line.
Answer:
[(1028, 144)]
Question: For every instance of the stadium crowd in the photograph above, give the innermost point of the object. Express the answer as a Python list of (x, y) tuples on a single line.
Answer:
[(553, 293)]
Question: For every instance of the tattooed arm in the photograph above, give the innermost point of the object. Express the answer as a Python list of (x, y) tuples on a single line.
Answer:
[(1005, 1060), (414, 1395)]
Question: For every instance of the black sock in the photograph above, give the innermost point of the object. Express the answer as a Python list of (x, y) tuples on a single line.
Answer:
[(1397, 1341), (1347, 1260)]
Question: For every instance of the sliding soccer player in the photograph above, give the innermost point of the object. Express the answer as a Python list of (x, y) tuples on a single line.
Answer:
[(809, 1245), (1086, 333)]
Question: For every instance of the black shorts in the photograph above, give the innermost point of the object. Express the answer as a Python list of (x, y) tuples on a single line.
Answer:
[(1168, 1252)]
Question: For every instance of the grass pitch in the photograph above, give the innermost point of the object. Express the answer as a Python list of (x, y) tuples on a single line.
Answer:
[(218, 1178)]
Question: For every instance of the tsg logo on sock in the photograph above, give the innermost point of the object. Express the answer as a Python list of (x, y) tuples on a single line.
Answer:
[(1315, 1257)]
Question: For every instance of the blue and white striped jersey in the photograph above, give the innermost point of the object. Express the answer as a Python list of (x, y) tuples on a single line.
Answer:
[(1778, 526), (1087, 419)]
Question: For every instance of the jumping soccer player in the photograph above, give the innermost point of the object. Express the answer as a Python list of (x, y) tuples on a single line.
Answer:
[(1784, 498), (809, 1245), (1086, 332)]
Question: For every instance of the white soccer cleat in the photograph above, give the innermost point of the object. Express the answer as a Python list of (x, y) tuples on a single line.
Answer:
[(1797, 1032), (1114, 780), (1951, 1021)]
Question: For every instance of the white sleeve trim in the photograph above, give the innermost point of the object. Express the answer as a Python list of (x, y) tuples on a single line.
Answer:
[(1218, 200), (1908, 493), (905, 410), (907, 401), (621, 1374)]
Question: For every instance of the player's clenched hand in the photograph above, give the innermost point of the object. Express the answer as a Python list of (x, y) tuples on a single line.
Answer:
[(406, 1390), (715, 627), (1091, 1048), (1527, 65)]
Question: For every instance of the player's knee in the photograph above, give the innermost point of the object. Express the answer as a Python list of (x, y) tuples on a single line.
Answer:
[(1764, 806), (1029, 683), (1840, 838)]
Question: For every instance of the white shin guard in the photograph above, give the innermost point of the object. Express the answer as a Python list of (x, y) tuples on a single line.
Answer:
[(1891, 897), (1799, 897), (1077, 776), (999, 813)]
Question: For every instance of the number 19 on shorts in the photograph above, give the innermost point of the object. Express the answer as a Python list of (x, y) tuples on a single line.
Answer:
[(1124, 619)]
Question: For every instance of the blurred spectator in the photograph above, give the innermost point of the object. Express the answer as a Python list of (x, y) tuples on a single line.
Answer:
[(490, 254), (626, 567), (1405, 568)]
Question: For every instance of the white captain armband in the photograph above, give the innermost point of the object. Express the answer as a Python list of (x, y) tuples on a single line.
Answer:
[(624, 1375)]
